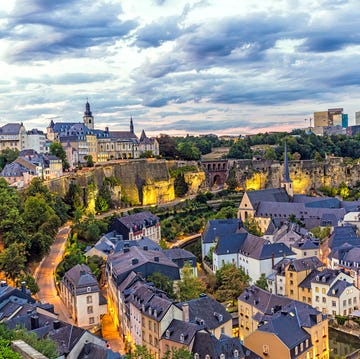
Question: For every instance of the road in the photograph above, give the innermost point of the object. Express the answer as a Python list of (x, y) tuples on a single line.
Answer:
[(44, 275)]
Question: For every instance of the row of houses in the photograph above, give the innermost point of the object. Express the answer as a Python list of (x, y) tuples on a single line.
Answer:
[(19, 309)]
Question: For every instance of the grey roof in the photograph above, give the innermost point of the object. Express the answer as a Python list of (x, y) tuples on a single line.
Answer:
[(207, 344), (262, 300), (13, 170), (92, 350), (230, 243), (178, 253), (306, 244), (326, 276), (123, 135), (269, 195), (338, 288), (79, 278), (285, 325), (341, 235), (207, 311), (11, 128), (142, 243), (181, 332), (142, 261), (219, 227), (306, 283), (353, 255), (302, 264)]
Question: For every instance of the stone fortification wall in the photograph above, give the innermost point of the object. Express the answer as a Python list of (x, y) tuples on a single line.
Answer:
[(306, 175)]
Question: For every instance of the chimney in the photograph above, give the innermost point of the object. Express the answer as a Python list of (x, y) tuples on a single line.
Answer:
[(126, 249), (23, 287), (134, 261), (106, 129), (145, 248), (156, 259), (34, 322), (272, 259), (56, 324), (185, 309)]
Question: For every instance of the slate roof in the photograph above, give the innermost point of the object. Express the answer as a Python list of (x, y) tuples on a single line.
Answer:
[(178, 253), (302, 264), (177, 328), (11, 129), (338, 288), (142, 243), (230, 243), (91, 351), (81, 278), (142, 261), (123, 135), (306, 244), (207, 344), (326, 276), (207, 311), (353, 255), (306, 283), (262, 300), (269, 195), (285, 325), (13, 170), (341, 235), (218, 228)]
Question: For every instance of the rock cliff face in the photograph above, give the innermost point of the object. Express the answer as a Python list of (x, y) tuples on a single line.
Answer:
[(140, 182), (306, 175)]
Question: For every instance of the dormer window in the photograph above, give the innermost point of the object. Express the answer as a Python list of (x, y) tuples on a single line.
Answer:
[(222, 356), (236, 354), (196, 356), (88, 289), (182, 338), (207, 356), (167, 334)]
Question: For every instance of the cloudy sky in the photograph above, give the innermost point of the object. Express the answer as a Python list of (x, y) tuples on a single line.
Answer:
[(192, 66)]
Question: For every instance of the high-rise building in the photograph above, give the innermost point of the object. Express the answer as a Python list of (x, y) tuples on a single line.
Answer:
[(321, 119), (357, 118), (329, 118)]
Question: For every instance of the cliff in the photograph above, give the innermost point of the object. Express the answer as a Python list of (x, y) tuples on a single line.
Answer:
[(144, 181)]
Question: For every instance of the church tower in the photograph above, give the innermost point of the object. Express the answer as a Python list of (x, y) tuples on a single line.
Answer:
[(88, 117), (286, 182), (131, 125)]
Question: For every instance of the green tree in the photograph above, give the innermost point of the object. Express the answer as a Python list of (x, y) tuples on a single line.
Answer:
[(188, 151), (252, 226), (262, 282), (140, 352), (89, 161), (162, 282), (13, 260), (180, 186), (189, 287), (178, 353), (6, 352), (321, 232), (30, 282), (96, 265), (57, 150), (231, 282), (147, 154)]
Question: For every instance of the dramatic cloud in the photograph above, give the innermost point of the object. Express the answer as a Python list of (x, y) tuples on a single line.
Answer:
[(178, 66)]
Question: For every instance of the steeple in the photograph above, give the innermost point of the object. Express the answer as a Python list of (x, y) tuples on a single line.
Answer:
[(88, 117), (286, 182), (131, 125)]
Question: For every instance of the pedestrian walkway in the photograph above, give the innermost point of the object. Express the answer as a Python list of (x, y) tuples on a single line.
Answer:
[(111, 334)]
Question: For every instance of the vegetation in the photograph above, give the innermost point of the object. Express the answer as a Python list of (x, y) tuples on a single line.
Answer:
[(29, 221), (44, 345), (261, 282), (321, 232), (6, 352), (252, 226), (163, 283), (189, 287), (231, 282), (142, 352), (7, 156)]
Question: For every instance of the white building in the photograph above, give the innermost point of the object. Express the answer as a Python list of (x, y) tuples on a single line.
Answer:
[(80, 293)]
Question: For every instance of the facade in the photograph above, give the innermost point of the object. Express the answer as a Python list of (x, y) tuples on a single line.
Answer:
[(80, 292), (137, 226), (12, 136), (35, 140)]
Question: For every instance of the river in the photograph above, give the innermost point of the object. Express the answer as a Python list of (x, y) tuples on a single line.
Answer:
[(342, 344)]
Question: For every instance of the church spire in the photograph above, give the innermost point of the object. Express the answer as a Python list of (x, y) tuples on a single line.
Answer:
[(286, 182), (286, 166), (131, 125), (88, 117)]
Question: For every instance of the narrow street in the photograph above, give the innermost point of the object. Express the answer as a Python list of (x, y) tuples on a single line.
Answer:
[(44, 275)]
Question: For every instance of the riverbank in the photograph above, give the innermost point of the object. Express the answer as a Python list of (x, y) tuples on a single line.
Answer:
[(342, 344)]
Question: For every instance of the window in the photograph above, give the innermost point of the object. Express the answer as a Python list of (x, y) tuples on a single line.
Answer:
[(333, 303), (91, 320), (323, 290), (349, 301), (301, 347), (317, 298), (324, 299), (222, 356), (236, 353), (344, 302), (222, 330), (196, 356), (150, 339), (89, 299), (88, 289), (149, 324), (155, 327), (291, 292), (307, 343), (316, 289), (90, 309), (291, 282)]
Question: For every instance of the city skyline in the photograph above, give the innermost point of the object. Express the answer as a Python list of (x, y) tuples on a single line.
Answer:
[(178, 67)]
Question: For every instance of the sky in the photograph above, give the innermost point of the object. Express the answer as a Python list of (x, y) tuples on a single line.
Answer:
[(179, 67)]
